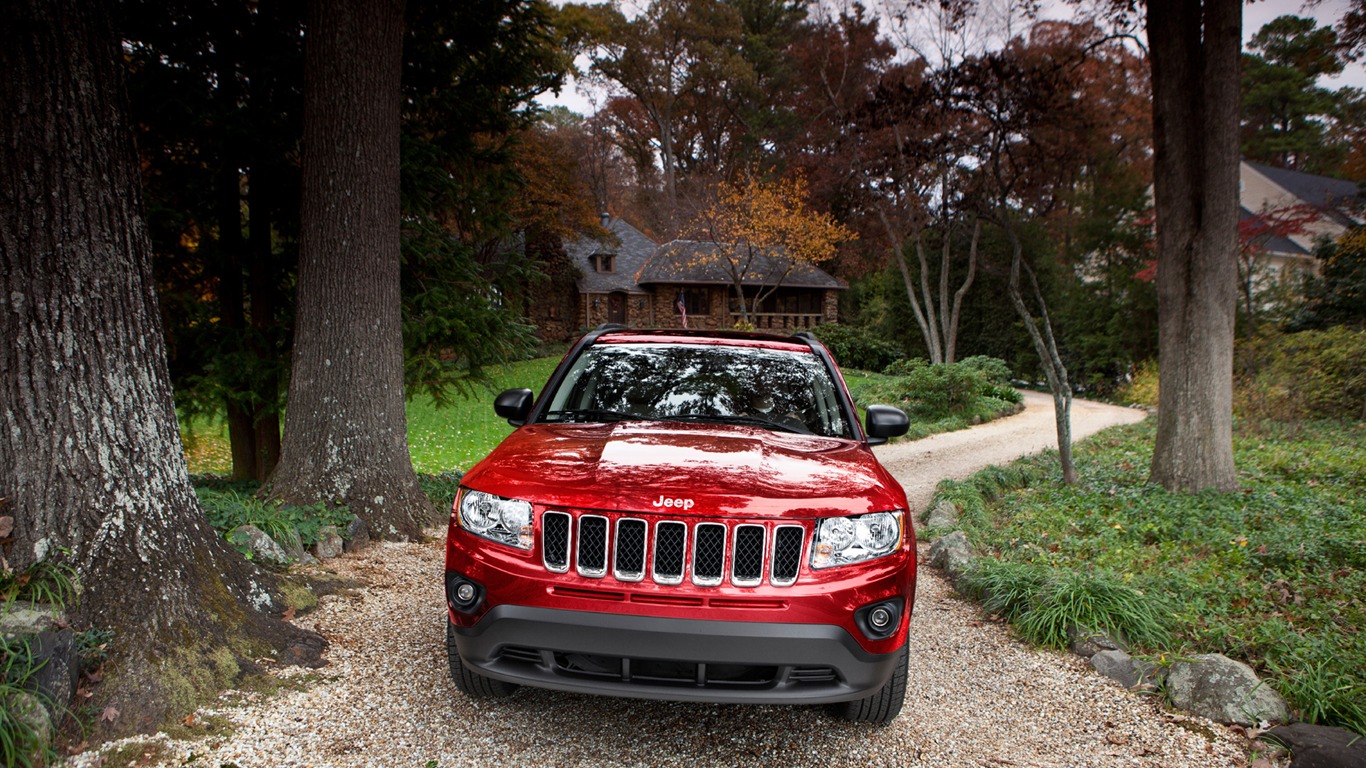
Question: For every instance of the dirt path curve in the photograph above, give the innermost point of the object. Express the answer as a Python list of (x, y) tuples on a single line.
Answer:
[(921, 464), (976, 696)]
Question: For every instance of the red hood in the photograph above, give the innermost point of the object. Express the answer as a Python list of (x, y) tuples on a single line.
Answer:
[(721, 469)]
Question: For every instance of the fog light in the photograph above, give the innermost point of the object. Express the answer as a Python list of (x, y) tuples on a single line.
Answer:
[(880, 620), (880, 617), (462, 594)]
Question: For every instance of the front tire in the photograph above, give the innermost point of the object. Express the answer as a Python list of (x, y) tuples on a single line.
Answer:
[(469, 682), (882, 707)]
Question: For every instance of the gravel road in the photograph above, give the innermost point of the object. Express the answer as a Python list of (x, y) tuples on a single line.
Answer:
[(976, 696)]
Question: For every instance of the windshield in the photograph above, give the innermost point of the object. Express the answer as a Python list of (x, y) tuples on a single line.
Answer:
[(774, 389)]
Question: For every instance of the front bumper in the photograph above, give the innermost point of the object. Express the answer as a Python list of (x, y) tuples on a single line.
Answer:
[(671, 659)]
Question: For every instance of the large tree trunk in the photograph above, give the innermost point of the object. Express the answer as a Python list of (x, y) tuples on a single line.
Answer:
[(90, 453), (345, 430), (1194, 51)]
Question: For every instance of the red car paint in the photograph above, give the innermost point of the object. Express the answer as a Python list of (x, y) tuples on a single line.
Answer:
[(661, 470)]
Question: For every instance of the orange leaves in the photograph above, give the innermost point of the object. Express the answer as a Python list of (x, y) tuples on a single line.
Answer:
[(774, 216)]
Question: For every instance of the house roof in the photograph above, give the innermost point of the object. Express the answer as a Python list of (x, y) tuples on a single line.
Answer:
[(630, 252), (1331, 195), (698, 263)]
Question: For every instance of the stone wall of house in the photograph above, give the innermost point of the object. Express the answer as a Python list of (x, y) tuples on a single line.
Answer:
[(830, 307), (592, 311), (640, 310), (554, 311)]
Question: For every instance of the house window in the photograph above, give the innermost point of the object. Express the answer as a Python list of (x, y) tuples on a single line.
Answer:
[(696, 300), (604, 262), (793, 301)]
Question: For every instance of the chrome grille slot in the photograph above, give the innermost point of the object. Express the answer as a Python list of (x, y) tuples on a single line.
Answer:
[(629, 552), (747, 556), (671, 549), (592, 552), (708, 554), (787, 555), (555, 541)]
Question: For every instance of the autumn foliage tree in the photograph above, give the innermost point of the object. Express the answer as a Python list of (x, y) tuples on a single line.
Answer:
[(765, 229)]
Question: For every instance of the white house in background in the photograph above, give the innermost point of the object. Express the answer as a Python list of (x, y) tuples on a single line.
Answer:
[(1265, 189)]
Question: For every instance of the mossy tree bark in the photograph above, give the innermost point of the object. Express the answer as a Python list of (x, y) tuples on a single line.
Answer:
[(345, 427), (1194, 49), (90, 453)]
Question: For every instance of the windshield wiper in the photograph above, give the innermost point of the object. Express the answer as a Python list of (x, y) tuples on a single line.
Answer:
[(757, 421), (583, 415)]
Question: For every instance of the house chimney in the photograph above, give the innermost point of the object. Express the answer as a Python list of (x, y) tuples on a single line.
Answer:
[(606, 217)]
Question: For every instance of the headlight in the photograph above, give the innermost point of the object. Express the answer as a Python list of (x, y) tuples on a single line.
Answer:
[(506, 521), (844, 540)]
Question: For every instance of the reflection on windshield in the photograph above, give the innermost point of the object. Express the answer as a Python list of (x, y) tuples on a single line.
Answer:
[(781, 390)]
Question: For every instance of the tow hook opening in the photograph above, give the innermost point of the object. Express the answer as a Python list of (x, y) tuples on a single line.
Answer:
[(463, 594), (880, 620)]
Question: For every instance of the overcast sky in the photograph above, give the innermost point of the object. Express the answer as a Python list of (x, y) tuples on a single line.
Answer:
[(1255, 15)]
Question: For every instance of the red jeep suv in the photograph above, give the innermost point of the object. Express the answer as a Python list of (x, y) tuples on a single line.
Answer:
[(686, 515)]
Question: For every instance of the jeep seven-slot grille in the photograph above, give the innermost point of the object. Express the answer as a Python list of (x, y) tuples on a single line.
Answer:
[(667, 551)]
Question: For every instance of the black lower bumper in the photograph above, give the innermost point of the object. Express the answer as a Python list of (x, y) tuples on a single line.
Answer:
[(672, 659)]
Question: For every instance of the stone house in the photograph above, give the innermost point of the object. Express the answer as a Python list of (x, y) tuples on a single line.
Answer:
[(638, 282)]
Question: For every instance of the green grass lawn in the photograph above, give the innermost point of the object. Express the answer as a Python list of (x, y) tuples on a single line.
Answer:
[(440, 439), (458, 435), (1273, 574)]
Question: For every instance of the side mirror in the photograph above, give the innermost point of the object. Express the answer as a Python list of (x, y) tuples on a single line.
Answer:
[(515, 405), (883, 422)]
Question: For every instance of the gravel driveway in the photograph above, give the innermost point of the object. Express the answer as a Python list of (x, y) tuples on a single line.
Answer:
[(976, 697)]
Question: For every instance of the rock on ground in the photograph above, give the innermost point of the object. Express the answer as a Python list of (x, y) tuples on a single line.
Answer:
[(1317, 746), (1125, 669), (951, 554), (1214, 686)]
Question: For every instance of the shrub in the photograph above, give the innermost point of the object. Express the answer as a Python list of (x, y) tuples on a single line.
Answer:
[(1141, 388), (938, 391), (1306, 375), (905, 366), (993, 370), (1003, 392), (855, 347)]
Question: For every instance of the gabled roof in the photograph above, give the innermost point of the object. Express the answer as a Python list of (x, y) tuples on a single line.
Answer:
[(630, 251), (698, 263), (1334, 196)]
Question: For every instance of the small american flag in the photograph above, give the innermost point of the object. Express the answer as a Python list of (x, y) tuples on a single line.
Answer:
[(682, 308)]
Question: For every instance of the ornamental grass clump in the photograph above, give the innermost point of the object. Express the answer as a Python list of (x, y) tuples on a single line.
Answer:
[(1044, 603)]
